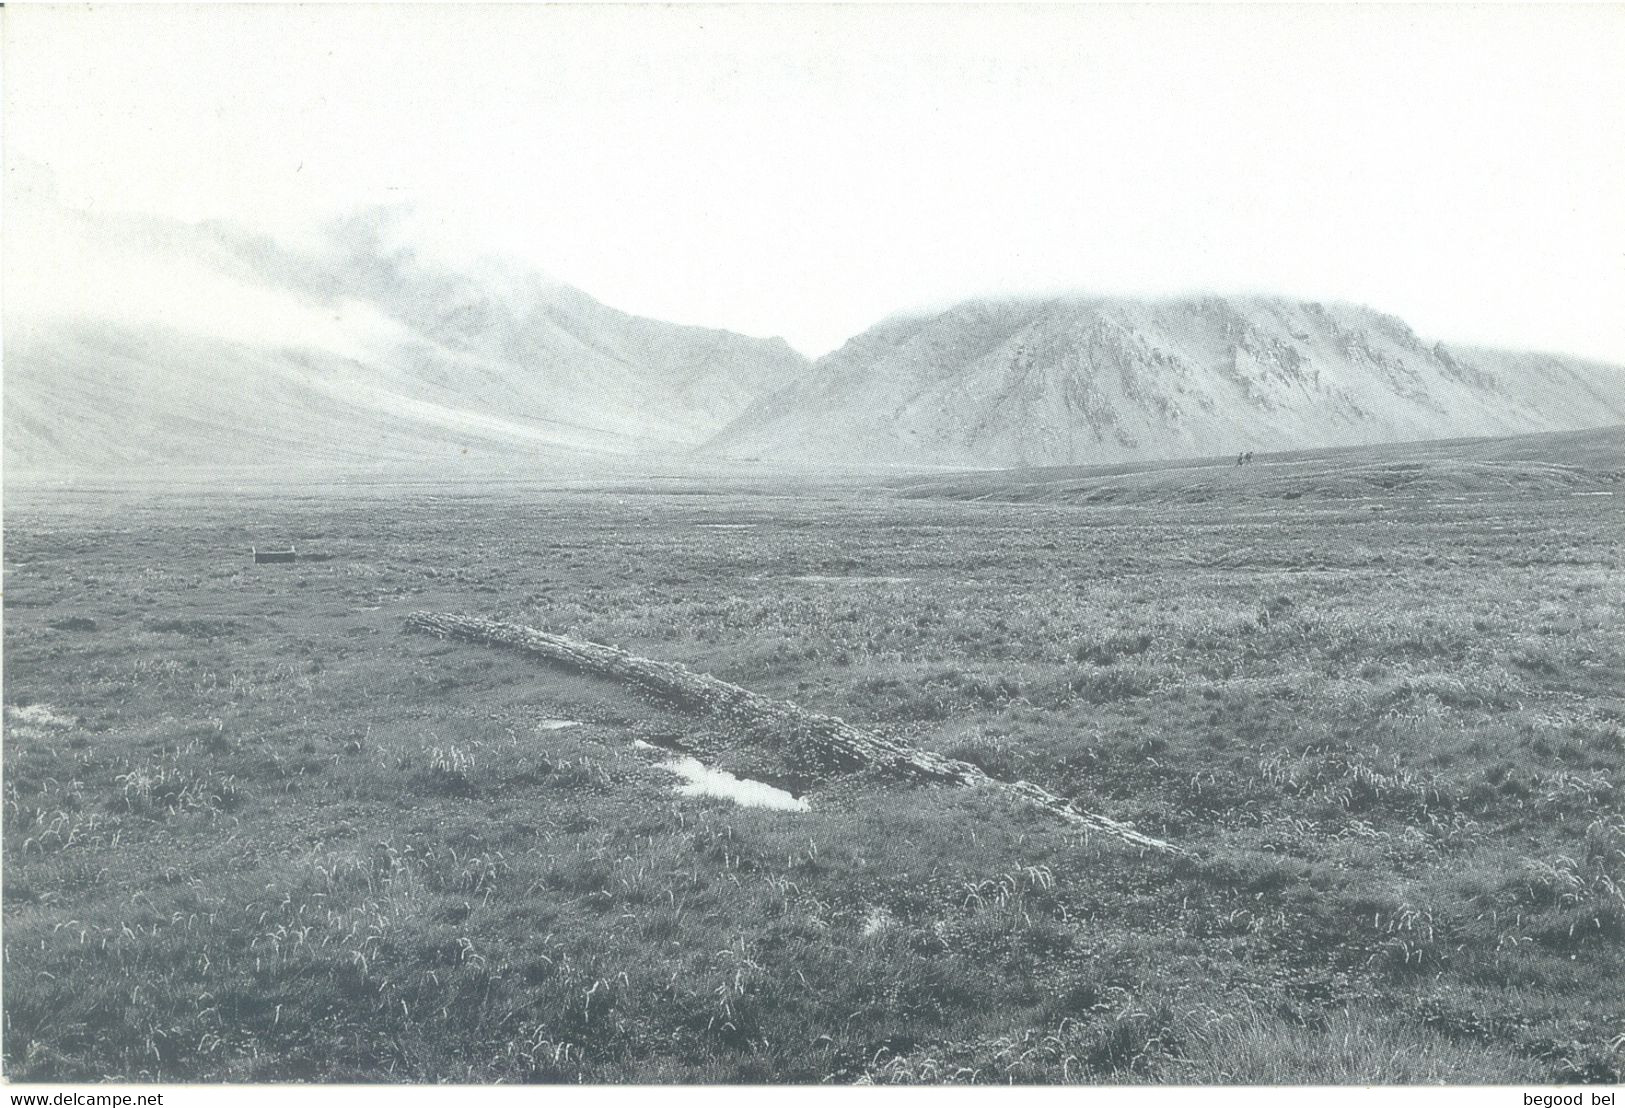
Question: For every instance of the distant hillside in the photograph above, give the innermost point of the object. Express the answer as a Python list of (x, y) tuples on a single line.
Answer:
[(1076, 380), (1568, 463), (141, 342)]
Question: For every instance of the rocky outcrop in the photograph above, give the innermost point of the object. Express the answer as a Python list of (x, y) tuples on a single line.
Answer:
[(1076, 380)]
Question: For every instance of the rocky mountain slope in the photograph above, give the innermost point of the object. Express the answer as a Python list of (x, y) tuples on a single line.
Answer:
[(1075, 380), (137, 342)]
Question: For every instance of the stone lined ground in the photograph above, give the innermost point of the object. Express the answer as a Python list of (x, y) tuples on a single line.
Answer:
[(254, 831)]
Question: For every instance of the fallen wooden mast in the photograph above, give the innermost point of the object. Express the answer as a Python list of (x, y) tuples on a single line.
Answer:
[(846, 746)]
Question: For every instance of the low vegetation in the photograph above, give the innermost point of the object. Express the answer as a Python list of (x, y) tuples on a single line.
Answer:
[(253, 831)]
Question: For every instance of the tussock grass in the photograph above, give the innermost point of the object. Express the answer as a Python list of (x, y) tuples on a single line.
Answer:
[(252, 832), (1350, 1047)]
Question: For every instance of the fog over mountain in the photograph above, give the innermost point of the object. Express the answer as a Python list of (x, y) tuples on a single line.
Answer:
[(142, 342), (147, 341), (1059, 380)]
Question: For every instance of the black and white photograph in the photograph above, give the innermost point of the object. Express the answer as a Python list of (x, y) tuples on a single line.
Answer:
[(813, 545)]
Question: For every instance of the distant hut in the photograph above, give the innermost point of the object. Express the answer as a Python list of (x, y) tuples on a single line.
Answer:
[(263, 556)]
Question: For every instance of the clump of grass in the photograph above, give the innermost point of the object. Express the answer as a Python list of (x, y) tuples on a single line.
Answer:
[(1106, 685), (162, 787), (995, 755), (1109, 648), (446, 771), (1352, 1046)]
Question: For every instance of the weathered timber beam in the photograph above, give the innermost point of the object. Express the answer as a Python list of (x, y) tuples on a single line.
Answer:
[(701, 692)]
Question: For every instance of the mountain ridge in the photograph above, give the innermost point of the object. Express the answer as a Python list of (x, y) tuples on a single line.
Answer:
[(142, 341), (1062, 380)]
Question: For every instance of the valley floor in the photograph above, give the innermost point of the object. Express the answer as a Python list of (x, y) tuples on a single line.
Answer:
[(255, 832)]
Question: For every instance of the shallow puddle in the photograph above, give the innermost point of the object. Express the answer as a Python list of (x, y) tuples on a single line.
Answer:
[(38, 715), (701, 780), (557, 724), (36, 721)]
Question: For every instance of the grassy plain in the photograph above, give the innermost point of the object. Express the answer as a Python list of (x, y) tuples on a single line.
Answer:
[(253, 831)]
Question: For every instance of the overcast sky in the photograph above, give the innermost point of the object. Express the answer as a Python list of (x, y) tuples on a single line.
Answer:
[(806, 171)]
